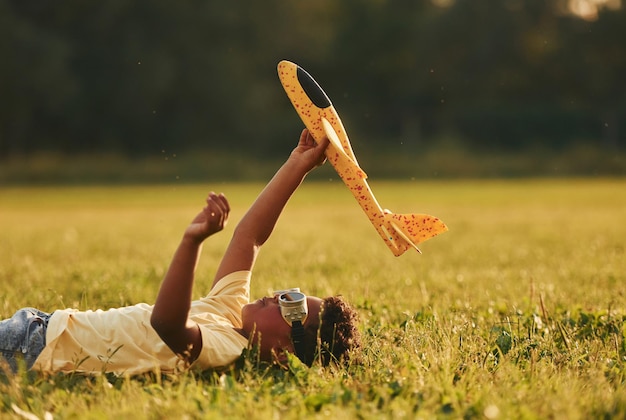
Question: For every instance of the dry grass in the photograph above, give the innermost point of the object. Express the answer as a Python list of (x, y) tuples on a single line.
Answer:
[(517, 312)]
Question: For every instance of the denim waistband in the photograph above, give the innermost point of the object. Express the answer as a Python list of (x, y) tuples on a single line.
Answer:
[(23, 334)]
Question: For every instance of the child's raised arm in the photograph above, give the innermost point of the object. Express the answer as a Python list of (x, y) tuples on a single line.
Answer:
[(171, 310), (257, 224)]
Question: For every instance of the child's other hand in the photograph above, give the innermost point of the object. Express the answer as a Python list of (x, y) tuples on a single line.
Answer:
[(308, 152), (211, 219)]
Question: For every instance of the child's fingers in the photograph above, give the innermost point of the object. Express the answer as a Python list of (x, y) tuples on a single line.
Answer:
[(303, 136), (217, 209), (223, 203), (220, 203), (324, 142), (309, 139)]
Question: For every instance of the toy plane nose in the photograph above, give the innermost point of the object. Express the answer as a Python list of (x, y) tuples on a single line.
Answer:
[(312, 89)]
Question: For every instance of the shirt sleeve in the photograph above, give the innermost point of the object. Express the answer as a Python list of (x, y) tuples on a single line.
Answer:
[(221, 343), (221, 346), (236, 283)]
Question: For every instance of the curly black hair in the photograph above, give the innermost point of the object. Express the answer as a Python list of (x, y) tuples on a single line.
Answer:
[(335, 337)]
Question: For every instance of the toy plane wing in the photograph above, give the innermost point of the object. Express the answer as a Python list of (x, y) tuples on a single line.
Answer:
[(400, 232)]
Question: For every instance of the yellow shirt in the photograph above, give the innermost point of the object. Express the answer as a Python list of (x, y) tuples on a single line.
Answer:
[(121, 340)]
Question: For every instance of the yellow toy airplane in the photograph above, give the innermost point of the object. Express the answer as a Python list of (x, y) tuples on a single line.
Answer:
[(399, 231)]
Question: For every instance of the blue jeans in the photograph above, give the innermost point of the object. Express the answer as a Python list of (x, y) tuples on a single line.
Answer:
[(23, 336)]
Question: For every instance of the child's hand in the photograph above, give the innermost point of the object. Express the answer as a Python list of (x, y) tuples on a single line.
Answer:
[(308, 152), (211, 219)]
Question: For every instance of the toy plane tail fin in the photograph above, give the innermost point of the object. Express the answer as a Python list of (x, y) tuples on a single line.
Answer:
[(408, 230)]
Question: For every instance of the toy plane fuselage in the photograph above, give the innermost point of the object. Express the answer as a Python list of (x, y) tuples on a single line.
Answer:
[(399, 231)]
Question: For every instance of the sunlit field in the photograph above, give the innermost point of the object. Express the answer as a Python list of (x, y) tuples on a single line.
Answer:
[(517, 312)]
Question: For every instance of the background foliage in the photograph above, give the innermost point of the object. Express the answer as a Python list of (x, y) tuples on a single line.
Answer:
[(148, 77)]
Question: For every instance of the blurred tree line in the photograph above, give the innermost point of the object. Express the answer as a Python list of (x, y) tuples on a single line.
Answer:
[(140, 77)]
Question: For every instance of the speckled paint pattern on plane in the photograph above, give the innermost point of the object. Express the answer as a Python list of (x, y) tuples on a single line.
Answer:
[(400, 232)]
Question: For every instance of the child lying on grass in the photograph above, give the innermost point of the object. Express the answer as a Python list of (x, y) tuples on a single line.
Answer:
[(207, 333)]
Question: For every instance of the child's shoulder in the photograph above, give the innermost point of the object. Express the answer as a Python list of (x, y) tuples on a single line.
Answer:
[(236, 282)]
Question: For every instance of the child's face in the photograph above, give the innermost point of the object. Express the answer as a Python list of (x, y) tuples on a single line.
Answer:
[(264, 319)]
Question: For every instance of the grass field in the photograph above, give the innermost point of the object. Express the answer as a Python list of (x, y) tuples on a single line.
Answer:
[(517, 312)]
